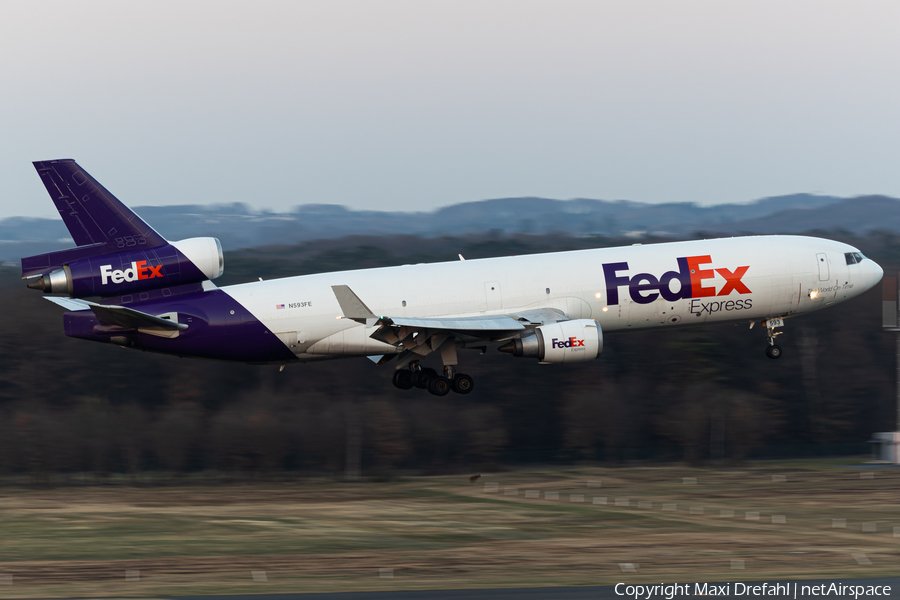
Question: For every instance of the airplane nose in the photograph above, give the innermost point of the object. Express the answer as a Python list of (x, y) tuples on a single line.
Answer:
[(875, 273)]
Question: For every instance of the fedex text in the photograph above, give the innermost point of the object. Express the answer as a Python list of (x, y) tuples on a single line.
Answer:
[(139, 270), (569, 343), (694, 280)]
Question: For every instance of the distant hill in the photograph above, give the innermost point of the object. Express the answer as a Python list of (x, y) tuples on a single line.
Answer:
[(239, 226), (856, 215)]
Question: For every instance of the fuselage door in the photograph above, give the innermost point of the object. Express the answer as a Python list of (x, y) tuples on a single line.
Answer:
[(822, 260)]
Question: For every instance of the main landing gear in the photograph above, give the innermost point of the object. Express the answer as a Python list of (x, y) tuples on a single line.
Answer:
[(428, 379)]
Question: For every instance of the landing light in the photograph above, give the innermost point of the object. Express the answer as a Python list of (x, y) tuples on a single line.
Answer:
[(813, 294), (605, 308), (597, 295)]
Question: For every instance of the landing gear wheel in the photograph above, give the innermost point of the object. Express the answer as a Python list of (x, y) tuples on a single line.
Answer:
[(421, 378), (463, 384), (773, 351), (403, 379), (439, 386)]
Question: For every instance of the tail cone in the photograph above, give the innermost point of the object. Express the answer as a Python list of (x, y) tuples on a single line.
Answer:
[(38, 284)]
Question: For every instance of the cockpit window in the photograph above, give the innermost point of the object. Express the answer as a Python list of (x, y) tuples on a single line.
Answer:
[(859, 256), (851, 258)]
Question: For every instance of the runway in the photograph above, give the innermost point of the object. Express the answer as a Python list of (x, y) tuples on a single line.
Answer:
[(594, 592)]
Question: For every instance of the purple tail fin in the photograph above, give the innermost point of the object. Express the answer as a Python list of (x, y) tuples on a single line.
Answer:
[(98, 221), (92, 214)]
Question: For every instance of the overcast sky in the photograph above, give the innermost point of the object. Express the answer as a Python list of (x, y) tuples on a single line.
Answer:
[(415, 105)]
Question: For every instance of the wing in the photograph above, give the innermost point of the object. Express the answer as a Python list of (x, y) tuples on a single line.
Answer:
[(420, 336)]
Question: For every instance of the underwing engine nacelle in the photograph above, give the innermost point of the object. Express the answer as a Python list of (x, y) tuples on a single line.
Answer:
[(564, 342)]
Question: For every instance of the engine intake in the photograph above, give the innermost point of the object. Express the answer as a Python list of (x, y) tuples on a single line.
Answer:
[(564, 342)]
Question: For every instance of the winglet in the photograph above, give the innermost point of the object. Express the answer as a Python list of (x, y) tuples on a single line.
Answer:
[(352, 307)]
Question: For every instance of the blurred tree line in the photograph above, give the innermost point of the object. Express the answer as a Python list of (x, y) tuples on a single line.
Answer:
[(710, 393)]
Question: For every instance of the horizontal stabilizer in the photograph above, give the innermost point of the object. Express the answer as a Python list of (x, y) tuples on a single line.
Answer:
[(133, 319), (119, 315), (69, 303)]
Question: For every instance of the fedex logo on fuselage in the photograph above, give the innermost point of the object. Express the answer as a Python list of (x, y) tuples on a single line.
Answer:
[(138, 270), (569, 343), (694, 281)]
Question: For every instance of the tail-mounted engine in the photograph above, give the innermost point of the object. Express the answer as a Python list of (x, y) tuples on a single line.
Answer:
[(130, 271), (564, 342)]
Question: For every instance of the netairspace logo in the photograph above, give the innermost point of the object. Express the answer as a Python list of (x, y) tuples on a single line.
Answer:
[(792, 589)]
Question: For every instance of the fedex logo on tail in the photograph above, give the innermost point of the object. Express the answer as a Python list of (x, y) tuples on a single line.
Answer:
[(569, 343), (138, 270), (694, 281)]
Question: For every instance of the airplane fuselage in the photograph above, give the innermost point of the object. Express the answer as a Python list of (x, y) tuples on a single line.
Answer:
[(622, 288)]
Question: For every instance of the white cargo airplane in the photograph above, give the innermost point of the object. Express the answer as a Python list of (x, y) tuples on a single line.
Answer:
[(156, 295)]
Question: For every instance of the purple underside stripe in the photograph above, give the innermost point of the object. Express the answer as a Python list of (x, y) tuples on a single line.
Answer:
[(219, 327)]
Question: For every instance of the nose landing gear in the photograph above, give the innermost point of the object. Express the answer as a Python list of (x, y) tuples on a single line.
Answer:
[(774, 350)]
